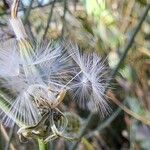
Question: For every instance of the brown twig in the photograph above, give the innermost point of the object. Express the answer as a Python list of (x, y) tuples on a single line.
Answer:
[(127, 110)]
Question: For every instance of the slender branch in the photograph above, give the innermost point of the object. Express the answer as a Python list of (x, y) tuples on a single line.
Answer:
[(131, 40), (27, 13), (63, 18), (126, 49), (104, 124), (128, 111), (115, 114), (49, 19)]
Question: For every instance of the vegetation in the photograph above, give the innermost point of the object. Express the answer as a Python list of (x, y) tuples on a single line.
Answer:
[(104, 75)]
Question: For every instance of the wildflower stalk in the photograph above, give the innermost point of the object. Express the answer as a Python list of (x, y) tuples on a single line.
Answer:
[(42, 145), (49, 19), (104, 124)]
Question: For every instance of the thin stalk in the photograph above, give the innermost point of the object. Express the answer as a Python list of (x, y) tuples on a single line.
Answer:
[(49, 19), (64, 15), (128, 111), (126, 49), (131, 40), (104, 124), (27, 13), (42, 145)]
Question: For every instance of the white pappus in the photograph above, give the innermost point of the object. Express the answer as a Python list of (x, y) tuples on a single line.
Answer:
[(89, 86), (47, 71), (85, 75)]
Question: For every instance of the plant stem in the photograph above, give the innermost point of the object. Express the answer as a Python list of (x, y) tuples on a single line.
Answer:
[(64, 15), (49, 19), (105, 123), (42, 145)]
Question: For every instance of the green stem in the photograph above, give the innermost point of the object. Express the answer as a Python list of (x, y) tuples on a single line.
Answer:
[(42, 145)]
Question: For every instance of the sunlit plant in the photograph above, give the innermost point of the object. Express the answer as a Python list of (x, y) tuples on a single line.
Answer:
[(38, 78)]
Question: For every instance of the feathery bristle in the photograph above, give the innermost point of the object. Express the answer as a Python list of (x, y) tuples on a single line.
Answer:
[(90, 85), (9, 59)]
